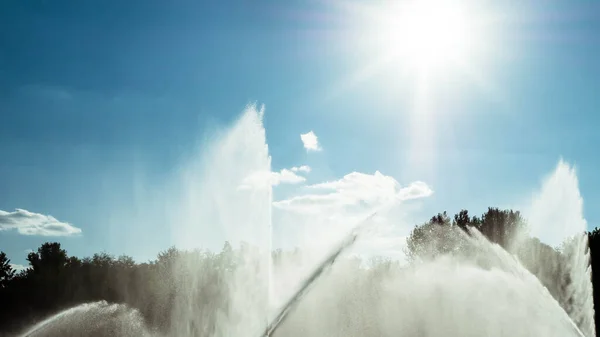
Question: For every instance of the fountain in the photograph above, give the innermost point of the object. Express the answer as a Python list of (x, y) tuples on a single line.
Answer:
[(92, 319), (481, 290)]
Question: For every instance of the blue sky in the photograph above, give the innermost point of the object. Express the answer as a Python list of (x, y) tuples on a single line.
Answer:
[(92, 94)]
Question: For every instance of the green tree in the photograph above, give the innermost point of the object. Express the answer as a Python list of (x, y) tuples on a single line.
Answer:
[(462, 219), (501, 226), (6, 270), (440, 235), (50, 257), (432, 238)]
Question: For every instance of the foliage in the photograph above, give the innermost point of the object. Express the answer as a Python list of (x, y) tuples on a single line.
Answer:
[(55, 280), (6, 270)]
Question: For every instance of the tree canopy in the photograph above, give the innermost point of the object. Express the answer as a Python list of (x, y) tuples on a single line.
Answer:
[(55, 281)]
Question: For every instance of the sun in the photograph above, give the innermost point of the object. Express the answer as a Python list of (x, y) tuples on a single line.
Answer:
[(425, 34), (434, 43)]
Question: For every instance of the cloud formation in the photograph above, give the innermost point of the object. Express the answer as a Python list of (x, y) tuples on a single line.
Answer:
[(29, 223), (18, 267), (310, 141), (355, 190), (264, 179), (319, 215), (286, 176), (303, 168)]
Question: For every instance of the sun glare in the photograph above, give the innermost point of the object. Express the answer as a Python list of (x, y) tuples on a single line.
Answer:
[(425, 34), (427, 40)]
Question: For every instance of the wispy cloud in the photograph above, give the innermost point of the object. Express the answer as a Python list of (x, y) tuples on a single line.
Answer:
[(355, 190), (310, 141), (18, 267), (262, 179), (303, 168), (29, 223), (320, 214), (286, 176)]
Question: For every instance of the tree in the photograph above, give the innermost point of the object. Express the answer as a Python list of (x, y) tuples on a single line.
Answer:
[(191, 289), (501, 226), (50, 257), (6, 270), (462, 219), (440, 235), (432, 238), (441, 219)]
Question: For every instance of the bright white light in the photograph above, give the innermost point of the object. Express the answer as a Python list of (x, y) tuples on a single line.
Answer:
[(427, 33), (310, 141)]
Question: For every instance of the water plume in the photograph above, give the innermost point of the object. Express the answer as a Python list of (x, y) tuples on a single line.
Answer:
[(480, 290), (556, 217), (92, 319), (471, 287), (219, 202)]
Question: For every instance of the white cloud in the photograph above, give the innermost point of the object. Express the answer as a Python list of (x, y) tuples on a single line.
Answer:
[(310, 141), (303, 168), (321, 214), (285, 176), (355, 190), (18, 267), (262, 179), (29, 223)]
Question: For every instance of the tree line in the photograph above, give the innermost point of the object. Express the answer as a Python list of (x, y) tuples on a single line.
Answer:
[(55, 281)]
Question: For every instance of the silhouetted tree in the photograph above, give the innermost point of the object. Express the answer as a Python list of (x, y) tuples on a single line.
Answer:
[(594, 244), (180, 281), (500, 226), (436, 237), (50, 258), (462, 219), (6, 270)]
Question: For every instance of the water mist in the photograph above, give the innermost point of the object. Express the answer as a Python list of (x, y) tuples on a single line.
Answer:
[(478, 290)]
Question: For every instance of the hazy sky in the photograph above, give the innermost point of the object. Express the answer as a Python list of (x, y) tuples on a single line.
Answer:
[(99, 100)]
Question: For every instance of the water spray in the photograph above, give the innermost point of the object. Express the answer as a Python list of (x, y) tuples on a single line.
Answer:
[(346, 243)]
